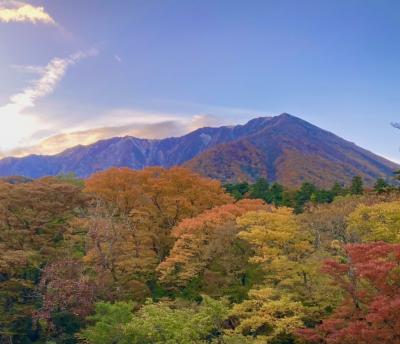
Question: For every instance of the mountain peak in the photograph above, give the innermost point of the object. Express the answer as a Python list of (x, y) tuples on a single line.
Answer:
[(288, 117), (283, 117)]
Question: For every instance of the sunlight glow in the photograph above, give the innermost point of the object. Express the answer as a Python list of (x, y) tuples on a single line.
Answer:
[(16, 124)]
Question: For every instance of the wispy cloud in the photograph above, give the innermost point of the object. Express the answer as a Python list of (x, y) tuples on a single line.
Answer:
[(29, 69), (16, 11), (51, 76), (16, 125)]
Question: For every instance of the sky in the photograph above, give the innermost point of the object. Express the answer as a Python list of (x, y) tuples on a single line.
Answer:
[(73, 72)]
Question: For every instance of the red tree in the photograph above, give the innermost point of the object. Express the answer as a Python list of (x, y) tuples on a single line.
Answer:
[(370, 278), (65, 288)]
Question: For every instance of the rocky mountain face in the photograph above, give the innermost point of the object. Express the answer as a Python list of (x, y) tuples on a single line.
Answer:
[(283, 148)]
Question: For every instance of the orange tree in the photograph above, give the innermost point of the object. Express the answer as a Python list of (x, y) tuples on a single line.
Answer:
[(127, 231), (207, 251)]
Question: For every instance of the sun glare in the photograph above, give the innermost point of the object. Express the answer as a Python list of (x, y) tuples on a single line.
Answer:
[(15, 128)]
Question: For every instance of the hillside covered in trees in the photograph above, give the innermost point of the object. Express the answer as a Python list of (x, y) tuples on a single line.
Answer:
[(168, 256)]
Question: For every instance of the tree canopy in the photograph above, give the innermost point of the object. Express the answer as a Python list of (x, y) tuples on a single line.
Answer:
[(167, 256)]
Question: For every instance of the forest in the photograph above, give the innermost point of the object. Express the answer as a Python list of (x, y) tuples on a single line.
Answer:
[(168, 256)]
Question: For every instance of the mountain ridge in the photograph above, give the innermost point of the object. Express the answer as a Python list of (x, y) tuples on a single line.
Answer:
[(282, 148)]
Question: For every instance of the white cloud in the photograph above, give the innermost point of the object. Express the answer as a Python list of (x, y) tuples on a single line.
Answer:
[(15, 11), (15, 125)]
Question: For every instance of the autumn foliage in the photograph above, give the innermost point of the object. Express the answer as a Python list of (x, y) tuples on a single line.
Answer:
[(370, 278), (205, 241), (133, 212), (167, 256)]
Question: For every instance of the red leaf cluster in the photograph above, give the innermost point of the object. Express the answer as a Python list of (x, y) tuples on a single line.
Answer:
[(370, 277)]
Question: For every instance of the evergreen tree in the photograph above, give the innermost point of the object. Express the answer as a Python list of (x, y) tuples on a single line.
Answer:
[(338, 189), (260, 190), (277, 194), (322, 196), (381, 186), (303, 195), (356, 187), (238, 191)]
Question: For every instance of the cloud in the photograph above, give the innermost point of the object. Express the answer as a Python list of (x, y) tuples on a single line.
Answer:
[(50, 78), (156, 130), (15, 125), (15, 11), (29, 69), (207, 120)]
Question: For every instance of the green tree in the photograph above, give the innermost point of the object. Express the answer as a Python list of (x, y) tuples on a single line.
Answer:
[(109, 321), (238, 191), (163, 322), (303, 195), (338, 190), (381, 186), (356, 187), (322, 196), (260, 190), (277, 194)]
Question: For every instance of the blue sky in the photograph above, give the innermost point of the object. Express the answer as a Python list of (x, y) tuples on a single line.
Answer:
[(79, 70)]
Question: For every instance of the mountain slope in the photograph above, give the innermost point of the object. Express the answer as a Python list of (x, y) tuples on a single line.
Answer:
[(283, 148), (291, 151)]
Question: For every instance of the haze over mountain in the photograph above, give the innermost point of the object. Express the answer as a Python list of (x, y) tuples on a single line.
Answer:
[(283, 148)]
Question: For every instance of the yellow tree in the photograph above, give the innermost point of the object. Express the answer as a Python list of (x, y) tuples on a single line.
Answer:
[(207, 248), (277, 240), (267, 315), (376, 222), (293, 289)]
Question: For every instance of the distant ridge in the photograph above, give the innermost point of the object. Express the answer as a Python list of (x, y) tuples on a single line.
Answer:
[(283, 148)]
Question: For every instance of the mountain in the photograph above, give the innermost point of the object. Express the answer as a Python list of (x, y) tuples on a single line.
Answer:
[(291, 151), (283, 148)]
